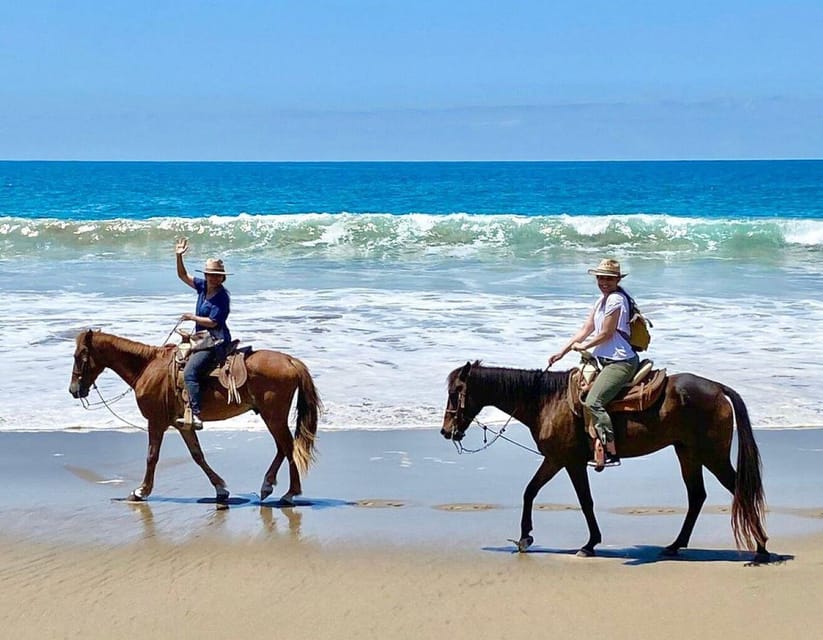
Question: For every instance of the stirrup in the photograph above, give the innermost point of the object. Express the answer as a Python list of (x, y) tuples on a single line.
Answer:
[(189, 421), (603, 459), (599, 462)]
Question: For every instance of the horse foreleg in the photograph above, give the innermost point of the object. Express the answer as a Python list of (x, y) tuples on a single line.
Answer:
[(545, 472), (692, 472), (155, 441), (580, 482), (190, 438)]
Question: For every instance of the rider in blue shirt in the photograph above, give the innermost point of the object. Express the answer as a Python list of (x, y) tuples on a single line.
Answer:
[(211, 312)]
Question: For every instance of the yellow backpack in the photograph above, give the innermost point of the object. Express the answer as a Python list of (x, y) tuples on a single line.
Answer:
[(639, 336)]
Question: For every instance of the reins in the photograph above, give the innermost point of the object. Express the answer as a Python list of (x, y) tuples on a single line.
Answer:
[(461, 402), (486, 443), (87, 405)]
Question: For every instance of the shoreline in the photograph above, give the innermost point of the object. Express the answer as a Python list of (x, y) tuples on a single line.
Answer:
[(365, 482)]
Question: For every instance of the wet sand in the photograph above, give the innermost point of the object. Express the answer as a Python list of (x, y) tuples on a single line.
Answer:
[(396, 535)]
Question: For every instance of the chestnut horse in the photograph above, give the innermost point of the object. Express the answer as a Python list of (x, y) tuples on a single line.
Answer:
[(693, 414), (273, 377)]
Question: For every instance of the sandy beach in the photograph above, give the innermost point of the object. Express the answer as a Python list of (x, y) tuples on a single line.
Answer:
[(396, 536)]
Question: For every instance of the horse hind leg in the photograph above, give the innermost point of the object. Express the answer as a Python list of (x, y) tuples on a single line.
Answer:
[(727, 476), (692, 473), (278, 426), (270, 479)]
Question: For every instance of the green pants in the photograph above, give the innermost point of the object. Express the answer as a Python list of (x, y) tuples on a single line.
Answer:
[(605, 388)]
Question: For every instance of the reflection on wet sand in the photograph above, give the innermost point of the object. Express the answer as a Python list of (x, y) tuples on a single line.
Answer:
[(292, 516)]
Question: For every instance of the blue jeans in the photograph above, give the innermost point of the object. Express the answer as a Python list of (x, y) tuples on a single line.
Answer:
[(198, 367)]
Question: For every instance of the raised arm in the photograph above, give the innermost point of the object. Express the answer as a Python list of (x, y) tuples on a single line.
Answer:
[(180, 248)]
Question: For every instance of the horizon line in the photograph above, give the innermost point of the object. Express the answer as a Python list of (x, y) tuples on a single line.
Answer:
[(378, 161)]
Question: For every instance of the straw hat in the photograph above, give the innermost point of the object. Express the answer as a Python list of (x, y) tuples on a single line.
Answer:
[(215, 266), (608, 267)]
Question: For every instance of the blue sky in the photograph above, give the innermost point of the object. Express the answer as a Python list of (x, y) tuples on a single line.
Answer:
[(422, 80)]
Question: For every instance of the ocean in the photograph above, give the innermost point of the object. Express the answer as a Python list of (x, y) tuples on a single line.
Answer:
[(383, 277)]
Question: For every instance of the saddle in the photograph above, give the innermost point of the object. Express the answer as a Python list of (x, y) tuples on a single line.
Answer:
[(231, 373), (638, 395)]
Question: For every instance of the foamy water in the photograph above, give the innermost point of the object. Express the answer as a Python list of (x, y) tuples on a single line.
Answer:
[(380, 356)]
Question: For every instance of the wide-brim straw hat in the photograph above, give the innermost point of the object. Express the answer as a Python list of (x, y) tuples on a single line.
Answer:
[(216, 267), (608, 267)]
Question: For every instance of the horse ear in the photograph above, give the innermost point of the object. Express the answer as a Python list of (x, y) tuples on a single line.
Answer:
[(464, 372), (87, 338)]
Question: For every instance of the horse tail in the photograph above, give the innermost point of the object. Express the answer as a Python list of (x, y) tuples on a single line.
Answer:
[(748, 504), (309, 407)]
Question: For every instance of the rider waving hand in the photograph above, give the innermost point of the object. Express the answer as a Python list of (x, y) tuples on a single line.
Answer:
[(210, 315)]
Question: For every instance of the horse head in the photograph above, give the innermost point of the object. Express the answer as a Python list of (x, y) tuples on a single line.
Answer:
[(460, 410), (86, 368)]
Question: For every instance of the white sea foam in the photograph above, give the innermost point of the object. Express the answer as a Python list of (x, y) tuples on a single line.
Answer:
[(380, 355)]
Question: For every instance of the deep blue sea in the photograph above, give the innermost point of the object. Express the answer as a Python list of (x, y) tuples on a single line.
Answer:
[(383, 277)]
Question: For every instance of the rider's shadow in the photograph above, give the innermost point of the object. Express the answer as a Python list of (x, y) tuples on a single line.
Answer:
[(645, 554)]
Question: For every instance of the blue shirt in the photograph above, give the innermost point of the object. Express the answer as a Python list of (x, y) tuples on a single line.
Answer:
[(215, 308)]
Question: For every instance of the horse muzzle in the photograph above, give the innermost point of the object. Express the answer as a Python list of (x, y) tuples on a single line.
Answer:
[(78, 391), (452, 434)]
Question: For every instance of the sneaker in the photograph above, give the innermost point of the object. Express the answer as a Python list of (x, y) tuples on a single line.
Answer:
[(612, 460), (195, 422)]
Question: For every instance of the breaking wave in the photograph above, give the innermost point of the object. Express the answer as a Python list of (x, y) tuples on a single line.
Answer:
[(389, 236)]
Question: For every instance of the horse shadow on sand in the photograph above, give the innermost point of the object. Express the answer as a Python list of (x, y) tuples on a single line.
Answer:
[(647, 554), (250, 500)]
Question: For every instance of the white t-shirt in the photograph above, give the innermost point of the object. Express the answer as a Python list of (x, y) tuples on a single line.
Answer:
[(617, 347)]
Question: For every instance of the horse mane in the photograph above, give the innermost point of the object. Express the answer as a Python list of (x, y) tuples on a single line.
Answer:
[(519, 384), (132, 347)]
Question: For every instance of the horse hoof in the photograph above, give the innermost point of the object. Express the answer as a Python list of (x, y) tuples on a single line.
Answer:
[(265, 491), (585, 553), (288, 497), (523, 544), (134, 497), (670, 552), (222, 494), (762, 558)]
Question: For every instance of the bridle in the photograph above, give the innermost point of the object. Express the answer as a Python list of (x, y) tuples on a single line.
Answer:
[(80, 374), (455, 408)]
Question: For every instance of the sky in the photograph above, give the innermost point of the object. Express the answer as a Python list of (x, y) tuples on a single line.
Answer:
[(356, 80)]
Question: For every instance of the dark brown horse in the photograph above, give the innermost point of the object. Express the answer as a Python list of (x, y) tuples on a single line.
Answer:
[(273, 377), (693, 415)]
